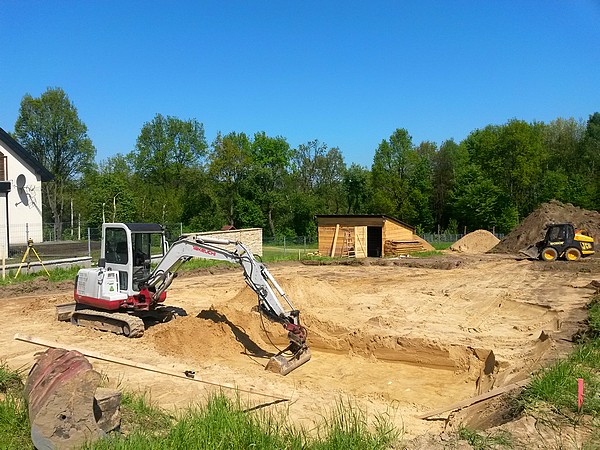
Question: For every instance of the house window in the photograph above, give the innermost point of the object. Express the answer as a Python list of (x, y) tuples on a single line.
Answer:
[(3, 172)]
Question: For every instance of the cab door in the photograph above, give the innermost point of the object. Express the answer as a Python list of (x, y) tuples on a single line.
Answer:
[(117, 255)]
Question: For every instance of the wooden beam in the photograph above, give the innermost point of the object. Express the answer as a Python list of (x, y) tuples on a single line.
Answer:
[(335, 236), (476, 399), (137, 365)]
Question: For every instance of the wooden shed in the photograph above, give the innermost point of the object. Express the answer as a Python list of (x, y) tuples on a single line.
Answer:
[(364, 236)]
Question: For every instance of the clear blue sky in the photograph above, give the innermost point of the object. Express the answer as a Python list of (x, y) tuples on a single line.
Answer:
[(345, 73)]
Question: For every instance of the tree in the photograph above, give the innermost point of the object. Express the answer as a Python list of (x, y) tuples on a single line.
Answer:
[(512, 156), (166, 146), (229, 165), (270, 162), (49, 127), (446, 163), (109, 192), (390, 169), (591, 158), (357, 187), (167, 154)]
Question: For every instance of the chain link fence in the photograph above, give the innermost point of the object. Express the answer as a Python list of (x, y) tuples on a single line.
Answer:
[(81, 240)]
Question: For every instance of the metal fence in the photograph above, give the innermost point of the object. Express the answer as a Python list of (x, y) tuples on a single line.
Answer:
[(449, 237)]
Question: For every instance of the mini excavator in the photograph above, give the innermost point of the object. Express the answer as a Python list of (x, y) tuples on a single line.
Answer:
[(123, 290)]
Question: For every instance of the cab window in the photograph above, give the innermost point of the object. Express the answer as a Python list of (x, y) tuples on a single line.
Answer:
[(116, 246)]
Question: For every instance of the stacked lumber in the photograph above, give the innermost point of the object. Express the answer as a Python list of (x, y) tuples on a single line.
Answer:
[(395, 248)]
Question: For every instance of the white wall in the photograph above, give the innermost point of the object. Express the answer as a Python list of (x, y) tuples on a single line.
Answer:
[(3, 243), (24, 205), (251, 237)]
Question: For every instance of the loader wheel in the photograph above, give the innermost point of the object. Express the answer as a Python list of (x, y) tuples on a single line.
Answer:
[(549, 254), (572, 254)]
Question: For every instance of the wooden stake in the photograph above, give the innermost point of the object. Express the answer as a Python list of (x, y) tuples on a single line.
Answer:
[(335, 236), (137, 365)]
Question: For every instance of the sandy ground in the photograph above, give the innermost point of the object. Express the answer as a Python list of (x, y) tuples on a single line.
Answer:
[(393, 339)]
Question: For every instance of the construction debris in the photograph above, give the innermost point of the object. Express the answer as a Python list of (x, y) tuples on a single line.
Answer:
[(63, 410)]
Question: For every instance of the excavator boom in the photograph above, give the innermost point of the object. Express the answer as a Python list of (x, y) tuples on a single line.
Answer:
[(124, 288)]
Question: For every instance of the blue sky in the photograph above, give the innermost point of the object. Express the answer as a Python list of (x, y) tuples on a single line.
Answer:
[(345, 73)]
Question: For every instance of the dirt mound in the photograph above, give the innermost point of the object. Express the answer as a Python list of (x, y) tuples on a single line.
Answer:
[(35, 285), (532, 229), (217, 332), (479, 241)]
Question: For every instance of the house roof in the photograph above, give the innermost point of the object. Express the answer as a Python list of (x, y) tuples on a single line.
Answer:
[(365, 216), (26, 156)]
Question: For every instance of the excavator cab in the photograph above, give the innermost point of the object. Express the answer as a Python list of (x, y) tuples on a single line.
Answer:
[(128, 248)]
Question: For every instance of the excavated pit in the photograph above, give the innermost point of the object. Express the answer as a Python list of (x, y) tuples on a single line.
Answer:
[(415, 337)]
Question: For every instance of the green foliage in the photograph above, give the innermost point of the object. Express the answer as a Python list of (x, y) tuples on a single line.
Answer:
[(14, 420), (50, 129), (493, 178)]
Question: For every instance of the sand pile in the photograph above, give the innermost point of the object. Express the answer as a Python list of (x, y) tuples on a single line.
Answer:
[(532, 229), (479, 241)]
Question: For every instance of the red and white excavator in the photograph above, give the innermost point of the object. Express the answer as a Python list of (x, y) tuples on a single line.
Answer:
[(123, 290)]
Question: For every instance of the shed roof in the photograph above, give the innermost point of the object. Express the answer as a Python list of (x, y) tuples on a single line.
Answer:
[(365, 216), (26, 156)]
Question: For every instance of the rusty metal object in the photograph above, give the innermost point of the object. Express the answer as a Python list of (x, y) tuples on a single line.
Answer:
[(60, 392)]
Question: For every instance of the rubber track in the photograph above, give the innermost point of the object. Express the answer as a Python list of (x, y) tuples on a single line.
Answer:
[(136, 325)]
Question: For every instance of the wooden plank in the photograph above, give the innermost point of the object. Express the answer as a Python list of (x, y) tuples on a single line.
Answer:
[(476, 399), (137, 365), (350, 221), (361, 241), (335, 236)]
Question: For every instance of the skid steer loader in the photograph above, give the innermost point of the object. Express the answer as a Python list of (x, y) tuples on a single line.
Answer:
[(562, 240)]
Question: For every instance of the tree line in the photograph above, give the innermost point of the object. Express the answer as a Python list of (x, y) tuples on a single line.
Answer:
[(492, 179)]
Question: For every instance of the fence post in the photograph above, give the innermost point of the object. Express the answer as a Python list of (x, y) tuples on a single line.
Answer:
[(3, 263), (27, 231), (89, 244), (284, 246)]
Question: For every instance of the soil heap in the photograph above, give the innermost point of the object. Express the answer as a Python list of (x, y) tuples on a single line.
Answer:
[(532, 229), (479, 241)]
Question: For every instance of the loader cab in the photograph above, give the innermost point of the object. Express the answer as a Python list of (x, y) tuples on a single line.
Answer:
[(128, 248)]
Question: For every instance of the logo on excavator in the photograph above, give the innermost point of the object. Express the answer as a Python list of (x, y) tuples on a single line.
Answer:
[(203, 250)]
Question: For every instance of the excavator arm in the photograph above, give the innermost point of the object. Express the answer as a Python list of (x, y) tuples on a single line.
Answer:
[(257, 277)]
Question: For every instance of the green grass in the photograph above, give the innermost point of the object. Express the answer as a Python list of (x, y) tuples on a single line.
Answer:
[(14, 420), (223, 424), (55, 275), (482, 441), (441, 245), (426, 254)]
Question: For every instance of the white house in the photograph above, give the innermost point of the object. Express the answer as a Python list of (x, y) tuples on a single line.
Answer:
[(21, 177)]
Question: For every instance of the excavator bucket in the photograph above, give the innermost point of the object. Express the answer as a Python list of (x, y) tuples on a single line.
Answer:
[(533, 251), (282, 365)]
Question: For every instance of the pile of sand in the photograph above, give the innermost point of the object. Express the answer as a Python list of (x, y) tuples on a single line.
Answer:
[(479, 241), (532, 229)]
